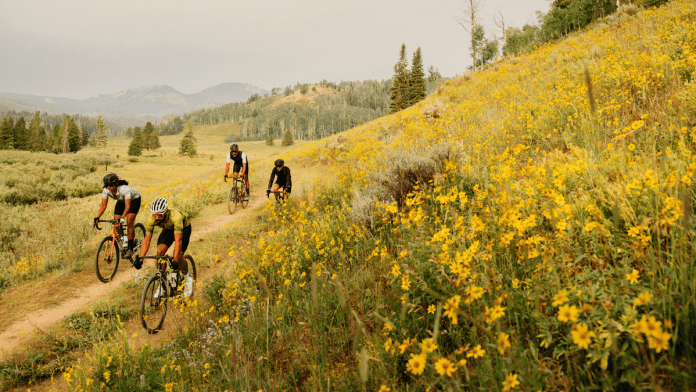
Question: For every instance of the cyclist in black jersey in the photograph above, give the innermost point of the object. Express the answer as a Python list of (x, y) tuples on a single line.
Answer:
[(284, 179), (240, 164)]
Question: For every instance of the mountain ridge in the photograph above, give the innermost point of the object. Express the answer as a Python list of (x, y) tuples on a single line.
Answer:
[(153, 101)]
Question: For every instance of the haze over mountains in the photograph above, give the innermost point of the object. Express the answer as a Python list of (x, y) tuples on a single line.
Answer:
[(136, 104)]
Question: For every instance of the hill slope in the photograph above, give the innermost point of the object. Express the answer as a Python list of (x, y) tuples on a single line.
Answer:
[(526, 227)]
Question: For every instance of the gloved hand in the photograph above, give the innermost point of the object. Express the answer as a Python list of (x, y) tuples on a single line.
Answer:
[(225, 177), (96, 220), (122, 221), (268, 192), (138, 262)]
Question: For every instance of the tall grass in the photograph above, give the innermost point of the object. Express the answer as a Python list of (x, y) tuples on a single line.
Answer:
[(551, 249), (29, 178)]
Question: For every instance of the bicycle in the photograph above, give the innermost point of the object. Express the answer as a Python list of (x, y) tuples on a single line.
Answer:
[(236, 195), (281, 195), (113, 247), (153, 308)]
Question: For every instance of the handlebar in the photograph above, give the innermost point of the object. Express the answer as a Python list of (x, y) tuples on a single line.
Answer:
[(96, 223)]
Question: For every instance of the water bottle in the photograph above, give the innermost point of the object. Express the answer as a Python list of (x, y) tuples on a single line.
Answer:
[(172, 280)]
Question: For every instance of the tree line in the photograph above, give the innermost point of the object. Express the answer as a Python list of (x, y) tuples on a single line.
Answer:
[(332, 108), (51, 133)]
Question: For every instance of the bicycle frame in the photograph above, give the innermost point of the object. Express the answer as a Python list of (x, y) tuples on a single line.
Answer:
[(114, 233)]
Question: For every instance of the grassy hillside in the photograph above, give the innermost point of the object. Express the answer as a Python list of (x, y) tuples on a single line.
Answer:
[(527, 227)]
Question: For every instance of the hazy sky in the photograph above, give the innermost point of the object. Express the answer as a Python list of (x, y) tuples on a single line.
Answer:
[(82, 48)]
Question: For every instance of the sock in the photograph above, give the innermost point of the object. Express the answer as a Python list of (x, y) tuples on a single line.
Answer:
[(247, 191), (130, 244)]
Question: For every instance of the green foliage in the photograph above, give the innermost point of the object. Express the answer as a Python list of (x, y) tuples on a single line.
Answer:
[(287, 139), (269, 140), (135, 148), (100, 134), (519, 41), (38, 177), (188, 142), (21, 138), (400, 86), (328, 112), (253, 98), (416, 91), (7, 134), (571, 15), (37, 134)]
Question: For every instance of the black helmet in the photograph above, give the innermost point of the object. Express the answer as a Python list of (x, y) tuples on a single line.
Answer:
[(279, 163), (234, 147), (110, 179)]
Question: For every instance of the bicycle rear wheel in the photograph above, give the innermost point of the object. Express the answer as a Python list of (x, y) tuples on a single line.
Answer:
[(106, 259), (244, 201), (153, 304), (232, 199)]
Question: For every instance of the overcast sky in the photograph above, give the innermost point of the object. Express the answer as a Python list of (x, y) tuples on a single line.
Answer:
[(82, 48)]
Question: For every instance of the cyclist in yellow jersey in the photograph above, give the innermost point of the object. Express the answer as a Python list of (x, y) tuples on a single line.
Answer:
[(176, 229)]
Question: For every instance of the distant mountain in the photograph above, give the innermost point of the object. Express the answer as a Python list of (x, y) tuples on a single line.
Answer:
[(143, 102)]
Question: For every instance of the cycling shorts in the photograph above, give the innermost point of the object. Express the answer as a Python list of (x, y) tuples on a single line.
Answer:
[(121, 206), (238, 168), (166, 237)]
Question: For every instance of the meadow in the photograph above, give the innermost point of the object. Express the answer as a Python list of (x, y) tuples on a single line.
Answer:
[(52, 232), (526, 227)]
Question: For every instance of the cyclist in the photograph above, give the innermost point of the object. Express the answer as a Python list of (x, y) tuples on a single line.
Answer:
[(284, 179), (127, 205), (176, 229), (240, 163)]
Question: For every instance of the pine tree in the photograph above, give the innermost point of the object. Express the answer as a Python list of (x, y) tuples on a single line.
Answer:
[(20, 135), (136, 145), (37, 133), (6, 134), (400, 83), (55, 140), (147, 135), (287, 139), (188, 142), (65, 144), (74, 141), (154, 140), (416, 91), (100, 138), (269, 140), (84, 136)]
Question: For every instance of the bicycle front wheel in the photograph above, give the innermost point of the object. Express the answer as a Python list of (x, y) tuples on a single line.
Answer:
[(139, 237), (106, 260), (153, 304)]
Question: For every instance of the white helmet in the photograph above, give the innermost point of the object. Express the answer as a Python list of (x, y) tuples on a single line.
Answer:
[(159, 206)]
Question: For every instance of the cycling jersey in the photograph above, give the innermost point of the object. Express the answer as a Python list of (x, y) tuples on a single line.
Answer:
[(240, 159), (122, 192), (173, 220), (284, 178)]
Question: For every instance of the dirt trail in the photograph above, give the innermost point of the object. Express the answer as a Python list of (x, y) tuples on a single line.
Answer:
[(18, 333)]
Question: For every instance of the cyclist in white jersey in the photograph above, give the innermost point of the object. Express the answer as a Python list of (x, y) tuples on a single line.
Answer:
[(240, 164), (127, 204)]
